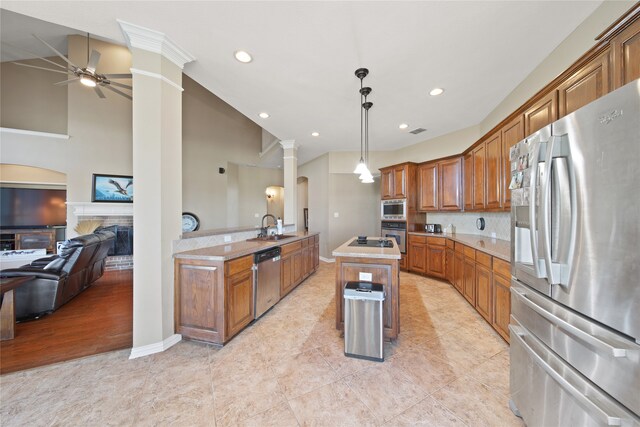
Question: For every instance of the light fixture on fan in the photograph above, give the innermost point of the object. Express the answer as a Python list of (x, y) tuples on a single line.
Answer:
[(362, 168), (88, 80)]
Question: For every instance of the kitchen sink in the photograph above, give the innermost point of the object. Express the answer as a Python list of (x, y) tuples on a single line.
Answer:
[(273, 237)]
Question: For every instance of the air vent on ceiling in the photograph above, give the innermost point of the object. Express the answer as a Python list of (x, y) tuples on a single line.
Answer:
[(417, 131)]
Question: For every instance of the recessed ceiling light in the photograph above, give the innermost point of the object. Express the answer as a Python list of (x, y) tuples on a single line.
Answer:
[(436, 91), (264, 115), (403, 126), (243, 56), (315, 134)]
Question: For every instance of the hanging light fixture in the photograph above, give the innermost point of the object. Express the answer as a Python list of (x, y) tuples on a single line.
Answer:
[(362, 168)]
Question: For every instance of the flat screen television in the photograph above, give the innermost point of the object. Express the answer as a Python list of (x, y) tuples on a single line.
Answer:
[(32, 208)]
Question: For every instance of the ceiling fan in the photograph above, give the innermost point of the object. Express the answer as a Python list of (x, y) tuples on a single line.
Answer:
[(88, 75)]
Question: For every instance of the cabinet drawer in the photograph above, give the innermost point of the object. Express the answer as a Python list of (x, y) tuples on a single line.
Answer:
[(291, 247), (501, 267), (417, 239), (436, 241), (483, 259), (469, 252), (450, 243), (459, 247), (238, 265)]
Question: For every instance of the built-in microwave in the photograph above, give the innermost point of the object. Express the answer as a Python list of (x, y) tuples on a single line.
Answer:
[(394, 209)]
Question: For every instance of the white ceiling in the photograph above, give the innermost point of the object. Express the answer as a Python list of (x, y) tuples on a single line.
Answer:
[(305, 55)]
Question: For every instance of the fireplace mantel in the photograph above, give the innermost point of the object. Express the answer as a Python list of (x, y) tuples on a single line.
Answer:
[(101, 209)]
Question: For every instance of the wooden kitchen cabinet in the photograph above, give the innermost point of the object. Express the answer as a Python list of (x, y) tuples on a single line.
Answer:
[(512, 133), (316, 252), (239, 291), (458, 268), (541, 113), (428, 187), (417, 254), (450, 184), (484, 294), (396, 181), (501, 297), (585, 85), (450, 259), (467, 190), (493, 176), (469, 289), (435, 255), (625, 49), (479, 159)]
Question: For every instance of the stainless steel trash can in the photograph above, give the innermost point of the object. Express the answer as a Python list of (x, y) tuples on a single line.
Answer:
[(363, 327)]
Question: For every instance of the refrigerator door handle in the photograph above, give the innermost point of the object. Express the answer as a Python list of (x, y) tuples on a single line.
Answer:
[(590, 406), (533, 220), (545, 202), (569, 328)]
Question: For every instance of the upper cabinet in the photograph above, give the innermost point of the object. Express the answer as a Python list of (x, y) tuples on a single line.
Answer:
[(479, 158), (394, 181), (428, 187), (450, 190), (440, 185), (542, 113), (512, 133), (468, 181), (625, 49), (493, 163), (587, 84)]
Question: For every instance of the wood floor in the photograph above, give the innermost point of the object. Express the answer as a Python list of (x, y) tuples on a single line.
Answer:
[(98, 320)]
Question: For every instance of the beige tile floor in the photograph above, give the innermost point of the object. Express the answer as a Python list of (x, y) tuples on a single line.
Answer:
[(448, 367)]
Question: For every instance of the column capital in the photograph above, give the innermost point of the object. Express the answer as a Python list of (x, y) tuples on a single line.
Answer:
[(289, 143), (154, 41)]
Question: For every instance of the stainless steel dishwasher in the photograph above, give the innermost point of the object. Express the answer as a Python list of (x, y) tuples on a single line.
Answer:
[(266, 280)]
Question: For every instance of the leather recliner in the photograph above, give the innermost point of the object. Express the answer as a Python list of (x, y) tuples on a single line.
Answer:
[(59, 278)]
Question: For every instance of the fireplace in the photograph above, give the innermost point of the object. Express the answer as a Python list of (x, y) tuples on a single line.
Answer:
[(117, 217)]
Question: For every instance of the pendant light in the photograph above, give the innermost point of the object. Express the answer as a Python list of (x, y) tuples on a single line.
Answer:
[(362, 168)]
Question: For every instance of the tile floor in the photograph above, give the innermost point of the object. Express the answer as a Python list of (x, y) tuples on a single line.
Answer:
[(448, 367)]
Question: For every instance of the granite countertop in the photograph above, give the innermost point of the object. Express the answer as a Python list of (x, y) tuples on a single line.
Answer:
[(238, 249), (495, 247), (219, 231), (367, 251)]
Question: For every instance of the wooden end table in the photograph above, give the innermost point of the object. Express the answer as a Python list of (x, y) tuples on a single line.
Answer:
[(7, 311)]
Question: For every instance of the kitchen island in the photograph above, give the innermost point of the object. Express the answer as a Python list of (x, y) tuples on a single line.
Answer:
[(374, 264), (215, 288)]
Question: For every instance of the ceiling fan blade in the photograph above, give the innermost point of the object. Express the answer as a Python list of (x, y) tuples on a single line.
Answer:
[(119, 92), (42, 68), (117, 76), (56, 51), (93, 61), (34, 55), (121, 85), (99, 92), (66, 82)]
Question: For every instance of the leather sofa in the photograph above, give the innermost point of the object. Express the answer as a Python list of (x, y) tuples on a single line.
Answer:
[(59, 278)]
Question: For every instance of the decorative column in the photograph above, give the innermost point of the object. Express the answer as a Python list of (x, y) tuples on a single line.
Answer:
[(290, 157), (157, 65)]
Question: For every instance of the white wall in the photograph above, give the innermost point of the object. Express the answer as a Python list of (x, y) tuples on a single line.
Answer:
[(303, 200)]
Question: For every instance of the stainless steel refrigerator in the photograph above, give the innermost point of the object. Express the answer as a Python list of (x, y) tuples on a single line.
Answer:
[(575, 291)]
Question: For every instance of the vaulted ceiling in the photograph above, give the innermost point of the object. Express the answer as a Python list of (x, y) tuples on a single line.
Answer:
[(305, 55)]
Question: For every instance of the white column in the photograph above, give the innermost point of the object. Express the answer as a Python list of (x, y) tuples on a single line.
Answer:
[(290, 157), (157, 172)]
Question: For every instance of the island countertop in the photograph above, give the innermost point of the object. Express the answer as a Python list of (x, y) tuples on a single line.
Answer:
[(238, 249), (367, 251)]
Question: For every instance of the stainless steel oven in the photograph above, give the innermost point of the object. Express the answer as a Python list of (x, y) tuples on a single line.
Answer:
[(393, 209), (396, 230)]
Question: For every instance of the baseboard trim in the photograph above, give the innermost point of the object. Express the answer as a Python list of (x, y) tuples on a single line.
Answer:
[(327, 259), (158, 347)]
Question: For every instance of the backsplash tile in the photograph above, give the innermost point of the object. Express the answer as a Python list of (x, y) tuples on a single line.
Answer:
[(465, 222)]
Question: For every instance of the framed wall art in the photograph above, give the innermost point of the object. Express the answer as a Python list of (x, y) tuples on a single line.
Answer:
[(112, 188)]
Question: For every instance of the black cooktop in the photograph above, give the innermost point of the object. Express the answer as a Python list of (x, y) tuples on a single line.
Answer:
[(373, 243)]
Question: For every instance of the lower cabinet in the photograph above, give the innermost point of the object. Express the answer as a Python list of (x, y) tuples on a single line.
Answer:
[(449, 267), (214, 299), (458, 270), (436, 254), (239, 291), (484, 298), (501, 297), (469, 272), (417, 257)]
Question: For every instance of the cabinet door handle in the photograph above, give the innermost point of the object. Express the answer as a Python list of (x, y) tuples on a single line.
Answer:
[(198, 267)]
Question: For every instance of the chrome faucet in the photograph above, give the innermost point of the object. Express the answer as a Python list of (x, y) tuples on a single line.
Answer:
[(263, 229)]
